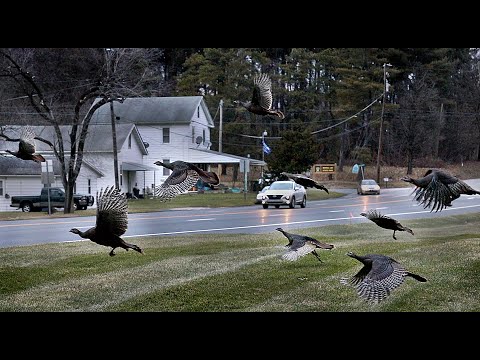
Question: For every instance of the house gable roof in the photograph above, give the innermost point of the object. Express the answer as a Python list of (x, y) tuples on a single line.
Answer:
[(99, 138), (13, 166), (154, 110)]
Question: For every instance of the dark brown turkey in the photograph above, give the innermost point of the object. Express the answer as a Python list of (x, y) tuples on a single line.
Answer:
[(386, 222), (26, 145), (300, 245), (183, 177), (112, 221), (437, 189), (305, 181), (379, 275), (262, 99)]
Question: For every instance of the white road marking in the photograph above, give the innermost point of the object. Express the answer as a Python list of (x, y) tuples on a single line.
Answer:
[(201, 219), (337, 211), (284, 224), (381, 208)]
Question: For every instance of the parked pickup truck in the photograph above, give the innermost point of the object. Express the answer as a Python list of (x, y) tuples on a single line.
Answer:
[(57, 200)]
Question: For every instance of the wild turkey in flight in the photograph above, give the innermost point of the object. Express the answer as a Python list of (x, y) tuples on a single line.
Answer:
[(378, 277), (386, 222), (261, 103), (112, 221), (26, 145), (437, 189), (305, 181), (184, 175), (300, 245)]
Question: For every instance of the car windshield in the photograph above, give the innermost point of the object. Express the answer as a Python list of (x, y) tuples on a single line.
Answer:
[(264, 189), (281, 186), (369, 182)]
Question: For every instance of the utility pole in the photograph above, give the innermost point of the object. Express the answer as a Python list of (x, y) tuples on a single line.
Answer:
[(381, 120), (220, 131), (115, 153), (263, 152), (110, 68)]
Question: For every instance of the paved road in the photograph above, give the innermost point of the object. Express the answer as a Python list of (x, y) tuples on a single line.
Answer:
[(248, 219)]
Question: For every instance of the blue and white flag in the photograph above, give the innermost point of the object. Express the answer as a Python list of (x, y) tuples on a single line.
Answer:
[(266, 149)]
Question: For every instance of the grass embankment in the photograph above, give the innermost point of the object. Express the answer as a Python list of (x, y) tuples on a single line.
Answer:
[(221, 272), (186, 200)]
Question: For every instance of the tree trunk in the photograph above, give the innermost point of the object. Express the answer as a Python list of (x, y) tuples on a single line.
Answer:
[(69, 197), (409, 162)]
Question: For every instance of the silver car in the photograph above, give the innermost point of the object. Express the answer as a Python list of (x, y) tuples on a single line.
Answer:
[(258, 200), (284, 193), (368, 186)]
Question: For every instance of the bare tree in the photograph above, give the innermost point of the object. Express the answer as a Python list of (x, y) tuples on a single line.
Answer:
[(416, 119), (122, 74)]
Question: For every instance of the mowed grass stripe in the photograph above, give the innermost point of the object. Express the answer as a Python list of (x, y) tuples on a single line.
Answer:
[(243, 272), (305, 285), (98, 291), (24, 267)]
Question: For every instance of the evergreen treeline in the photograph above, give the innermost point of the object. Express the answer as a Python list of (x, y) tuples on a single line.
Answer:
[(332, 98)]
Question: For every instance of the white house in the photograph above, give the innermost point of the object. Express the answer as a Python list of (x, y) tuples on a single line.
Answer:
[(21, 177), (148, 130), (173, 128)]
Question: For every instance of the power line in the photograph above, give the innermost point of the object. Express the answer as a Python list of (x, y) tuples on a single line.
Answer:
[(350, 117)]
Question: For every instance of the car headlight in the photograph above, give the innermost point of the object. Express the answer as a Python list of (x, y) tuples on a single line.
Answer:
[(264, 197), (286, 197)]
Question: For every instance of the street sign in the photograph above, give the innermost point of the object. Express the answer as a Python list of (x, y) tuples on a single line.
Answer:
[(325, 168), (48, 176), (355, 169), (244, 166)]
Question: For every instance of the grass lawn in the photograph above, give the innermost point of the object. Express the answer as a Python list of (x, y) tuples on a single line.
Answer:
[(186, 200), (244, 273)]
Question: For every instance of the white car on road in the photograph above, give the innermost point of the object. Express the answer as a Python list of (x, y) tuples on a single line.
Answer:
[(284, 193), (259, 195)]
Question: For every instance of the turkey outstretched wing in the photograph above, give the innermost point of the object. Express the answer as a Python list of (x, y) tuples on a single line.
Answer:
[(208, 177), (297, 250), (112, 212), (177, 183), (436, 195), (304, 181), (381, 280), (262, 91), (27, 141), (317, 243), (358, 277)]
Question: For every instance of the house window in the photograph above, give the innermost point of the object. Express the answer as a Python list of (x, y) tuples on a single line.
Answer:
[(130, 141), (224, 169), (203, 136), (166, 171), (1, 187), (193, 134), (166, 135), (89, 186), (198, 111)]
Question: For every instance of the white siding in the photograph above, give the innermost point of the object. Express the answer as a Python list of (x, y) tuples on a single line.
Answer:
[(104, 163), (22, 185), (200, 124), (81, 186), (177, 149), (134, 154)]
